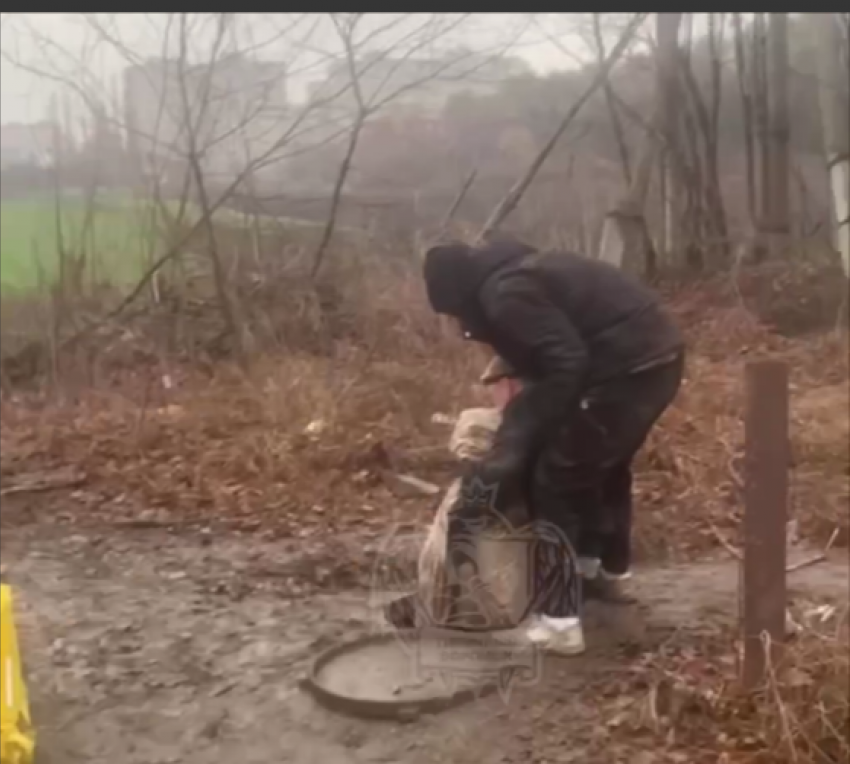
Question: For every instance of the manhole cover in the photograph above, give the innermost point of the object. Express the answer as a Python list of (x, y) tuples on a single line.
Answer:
[(415, 671)]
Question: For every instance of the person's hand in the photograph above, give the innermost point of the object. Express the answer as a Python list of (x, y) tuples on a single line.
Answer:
[(503, 391)]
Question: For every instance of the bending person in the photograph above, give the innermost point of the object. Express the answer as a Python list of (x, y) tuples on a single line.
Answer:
[(600, 362)]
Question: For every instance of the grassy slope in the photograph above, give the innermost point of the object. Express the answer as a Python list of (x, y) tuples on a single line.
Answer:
[(114, 239)]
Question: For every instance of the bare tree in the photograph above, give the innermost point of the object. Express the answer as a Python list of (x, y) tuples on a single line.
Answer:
[(194, 114), (705, 219), (194, 158), (389, 86), (197, 141), (625, 237), (611, 102), (512, 199), (667, 32), (833, 44), (743, 64), (625, 240), (761, 119), (778, 176)]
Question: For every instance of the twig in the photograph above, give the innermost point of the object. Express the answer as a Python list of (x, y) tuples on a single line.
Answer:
[(510, 202), (417, 484), (820, 557), (781, 708), (47, 482), (817, 558), (457, 201), (142, 524), (734, 551), (806, 563), (652, 708)]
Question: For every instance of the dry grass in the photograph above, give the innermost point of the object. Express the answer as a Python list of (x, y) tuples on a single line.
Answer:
[(686, 698), (690, 470), (299, 444), (229, 445), (804, 710)]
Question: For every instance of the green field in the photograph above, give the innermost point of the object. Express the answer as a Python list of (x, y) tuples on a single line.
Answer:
[(117, 234), (116, 239)]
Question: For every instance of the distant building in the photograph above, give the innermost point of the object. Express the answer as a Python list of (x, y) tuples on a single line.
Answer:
[(424, 83), (22, 144), (415, 87), (232, 111)]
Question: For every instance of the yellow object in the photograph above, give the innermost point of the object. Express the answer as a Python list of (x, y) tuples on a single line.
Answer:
[(16, 736)]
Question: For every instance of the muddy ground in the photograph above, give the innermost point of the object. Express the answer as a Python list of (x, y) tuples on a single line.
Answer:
[(147, 647)]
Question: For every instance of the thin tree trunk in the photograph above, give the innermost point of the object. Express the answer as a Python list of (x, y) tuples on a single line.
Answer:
[(714, 189), (779, 187), (610, 99), (707, 201), (762, 130), (835, 104), (196, 128), (457, 201), (691, 169), (744, 87), (625, 240), (336, 196), (667, 30), (513, 197)]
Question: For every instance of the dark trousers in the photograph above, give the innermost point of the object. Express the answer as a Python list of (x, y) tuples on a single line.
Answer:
[(582, 480)]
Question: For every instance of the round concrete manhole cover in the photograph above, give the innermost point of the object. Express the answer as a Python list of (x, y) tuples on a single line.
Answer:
[(414, 671)]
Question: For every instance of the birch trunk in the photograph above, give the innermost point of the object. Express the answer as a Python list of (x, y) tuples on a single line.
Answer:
[(625, 241), (835, 104)]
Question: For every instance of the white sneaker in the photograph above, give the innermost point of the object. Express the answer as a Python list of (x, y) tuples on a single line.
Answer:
[(562, 636)]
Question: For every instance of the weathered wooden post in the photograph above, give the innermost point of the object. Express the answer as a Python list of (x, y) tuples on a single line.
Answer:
[(766, 464)]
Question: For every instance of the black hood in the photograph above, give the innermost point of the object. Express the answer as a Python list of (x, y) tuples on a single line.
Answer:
[(455, 272)]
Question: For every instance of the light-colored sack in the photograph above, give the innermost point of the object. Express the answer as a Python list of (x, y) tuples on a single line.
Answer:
[(499, 592)]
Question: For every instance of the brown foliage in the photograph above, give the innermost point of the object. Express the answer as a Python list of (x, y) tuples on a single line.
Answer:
[(686, 702), (208, 444), (301, 445)]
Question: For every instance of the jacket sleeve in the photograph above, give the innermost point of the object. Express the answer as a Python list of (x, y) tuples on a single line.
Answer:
[(519, 311)]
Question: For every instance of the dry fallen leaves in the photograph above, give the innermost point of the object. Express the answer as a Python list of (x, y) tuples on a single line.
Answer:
[(261, 452)]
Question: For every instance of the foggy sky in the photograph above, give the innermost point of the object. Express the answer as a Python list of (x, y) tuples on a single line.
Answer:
[(66, 45)]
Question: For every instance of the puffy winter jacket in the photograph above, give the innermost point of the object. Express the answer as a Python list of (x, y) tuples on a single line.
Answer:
[(564, 322)]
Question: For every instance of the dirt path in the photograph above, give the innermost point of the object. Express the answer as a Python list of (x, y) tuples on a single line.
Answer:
[(146, 648)]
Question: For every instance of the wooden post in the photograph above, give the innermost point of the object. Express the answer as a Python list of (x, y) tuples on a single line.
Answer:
[(766, 462)]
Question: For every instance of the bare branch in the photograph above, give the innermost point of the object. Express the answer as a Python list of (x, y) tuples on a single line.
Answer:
[(368, 105), (514, 196), (458, 200), (610, 99)]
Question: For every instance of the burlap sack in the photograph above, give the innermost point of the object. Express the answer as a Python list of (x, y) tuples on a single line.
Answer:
[(471, 439)]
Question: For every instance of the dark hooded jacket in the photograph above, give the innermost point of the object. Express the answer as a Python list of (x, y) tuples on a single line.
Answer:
[(564, 322)]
